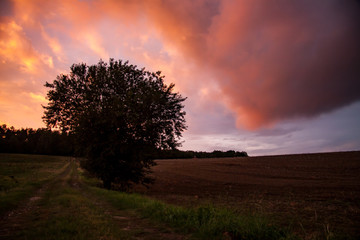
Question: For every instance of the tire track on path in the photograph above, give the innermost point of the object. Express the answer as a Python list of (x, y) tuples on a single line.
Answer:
[(129, 220), (13, 220), (39, 216)]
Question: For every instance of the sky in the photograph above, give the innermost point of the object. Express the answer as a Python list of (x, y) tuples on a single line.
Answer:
[(262, 76)]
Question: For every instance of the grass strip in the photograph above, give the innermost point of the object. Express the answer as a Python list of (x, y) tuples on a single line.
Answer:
[(66, 214), (21, 175), (63, 212), (204, 222)]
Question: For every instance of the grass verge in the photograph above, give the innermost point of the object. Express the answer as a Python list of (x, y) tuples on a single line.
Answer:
[(204, 222)]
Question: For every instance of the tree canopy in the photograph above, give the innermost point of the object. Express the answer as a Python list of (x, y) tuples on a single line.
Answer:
[(119, 115)]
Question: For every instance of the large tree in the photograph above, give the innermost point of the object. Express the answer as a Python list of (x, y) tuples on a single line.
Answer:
[(119, 114)]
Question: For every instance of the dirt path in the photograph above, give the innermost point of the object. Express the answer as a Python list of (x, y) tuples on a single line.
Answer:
[(11, 221), (64, 207)]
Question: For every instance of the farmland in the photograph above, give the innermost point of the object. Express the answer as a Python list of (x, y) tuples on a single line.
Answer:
[(46, 197), (314, 194)]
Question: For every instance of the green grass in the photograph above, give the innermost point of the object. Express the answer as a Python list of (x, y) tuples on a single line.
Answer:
[(64, 212), (205, 222), (67, 214), (21, 175)]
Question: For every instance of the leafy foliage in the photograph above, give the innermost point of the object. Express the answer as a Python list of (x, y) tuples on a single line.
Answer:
[(119, 114), (35, 141)]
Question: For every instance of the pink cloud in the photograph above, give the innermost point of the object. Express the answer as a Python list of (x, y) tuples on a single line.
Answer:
[(266, 61), (284, 60), (272, 60)]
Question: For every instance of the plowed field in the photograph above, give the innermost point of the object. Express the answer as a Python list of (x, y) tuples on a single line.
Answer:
[(315, 194)]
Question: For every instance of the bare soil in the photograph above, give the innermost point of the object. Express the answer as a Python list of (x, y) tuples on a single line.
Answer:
[(314, 194)]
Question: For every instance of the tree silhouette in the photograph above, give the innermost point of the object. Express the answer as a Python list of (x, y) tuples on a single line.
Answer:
[(40, 141), (119, 115)]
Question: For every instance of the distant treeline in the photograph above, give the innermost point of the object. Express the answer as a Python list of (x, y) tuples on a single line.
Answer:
[(172, 154), (31, 141), (45, 141)]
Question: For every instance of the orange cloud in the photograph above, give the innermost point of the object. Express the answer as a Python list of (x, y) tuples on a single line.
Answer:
[(16, 48), (38, 98), (93, 41), (54, 45), (266, 61)]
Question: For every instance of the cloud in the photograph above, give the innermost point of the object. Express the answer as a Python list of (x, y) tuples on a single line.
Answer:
[(6, 8), (16, 48), (93, 41), (335, 131), (265, 61), (39, 98), (273, 60), (286, 59)]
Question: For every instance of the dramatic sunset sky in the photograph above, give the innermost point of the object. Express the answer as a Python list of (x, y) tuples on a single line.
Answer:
[(262, 76)]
